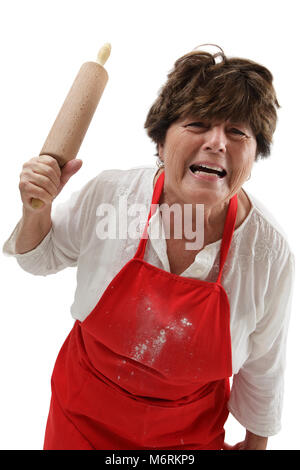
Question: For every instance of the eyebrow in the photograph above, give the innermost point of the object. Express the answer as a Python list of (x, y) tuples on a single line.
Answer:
[(238, 123), (207, 121)]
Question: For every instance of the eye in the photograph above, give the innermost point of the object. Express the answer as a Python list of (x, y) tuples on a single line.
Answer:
[(237, 132), (196, 124)]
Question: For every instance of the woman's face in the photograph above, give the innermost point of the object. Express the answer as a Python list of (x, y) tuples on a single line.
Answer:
[(226, 149)]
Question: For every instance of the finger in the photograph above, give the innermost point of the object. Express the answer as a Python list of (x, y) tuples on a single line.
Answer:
[(51, 161), (238, 446), (46, 160), (227, 446), (30, 191), (43, 182), (69, 169), (48, 171), (34, 165)]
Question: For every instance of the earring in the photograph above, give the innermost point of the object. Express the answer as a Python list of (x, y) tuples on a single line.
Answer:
[(159, 163)]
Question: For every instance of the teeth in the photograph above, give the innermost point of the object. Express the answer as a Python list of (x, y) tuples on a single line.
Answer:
[(198, 167), (212, 167)]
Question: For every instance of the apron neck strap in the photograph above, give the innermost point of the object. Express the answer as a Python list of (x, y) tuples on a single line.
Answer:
[(154, 205), (227, 232)]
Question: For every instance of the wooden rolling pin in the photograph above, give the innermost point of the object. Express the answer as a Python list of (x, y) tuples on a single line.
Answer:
[(76, 113)]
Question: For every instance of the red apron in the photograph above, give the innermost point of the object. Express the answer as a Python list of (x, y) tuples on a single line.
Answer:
[(149, 367)]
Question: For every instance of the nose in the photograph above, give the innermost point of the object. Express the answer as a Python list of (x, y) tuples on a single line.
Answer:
[(215, 140)]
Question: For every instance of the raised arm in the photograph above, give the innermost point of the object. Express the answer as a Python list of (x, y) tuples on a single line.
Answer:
[(41, 178)]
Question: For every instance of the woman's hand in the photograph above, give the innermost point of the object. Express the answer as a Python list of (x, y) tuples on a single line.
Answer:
[(251, 442), (238, 446), (42, 178)]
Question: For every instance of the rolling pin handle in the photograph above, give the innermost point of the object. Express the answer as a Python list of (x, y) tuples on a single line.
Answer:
[(36, 203)]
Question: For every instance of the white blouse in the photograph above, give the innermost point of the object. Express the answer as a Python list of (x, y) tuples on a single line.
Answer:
[(258, 278)]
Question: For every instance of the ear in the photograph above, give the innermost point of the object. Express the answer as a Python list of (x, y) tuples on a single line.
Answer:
[(161, 151)]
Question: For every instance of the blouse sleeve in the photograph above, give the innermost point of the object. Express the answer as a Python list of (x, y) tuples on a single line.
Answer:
[(257, 389), (61, 246)]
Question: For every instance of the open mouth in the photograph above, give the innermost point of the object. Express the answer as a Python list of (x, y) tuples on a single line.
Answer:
[(196, 169)]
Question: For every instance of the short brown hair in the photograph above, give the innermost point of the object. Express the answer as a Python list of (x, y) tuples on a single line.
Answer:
[(236, 89)]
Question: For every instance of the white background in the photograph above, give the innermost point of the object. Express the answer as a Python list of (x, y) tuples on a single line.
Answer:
[(43, 45)]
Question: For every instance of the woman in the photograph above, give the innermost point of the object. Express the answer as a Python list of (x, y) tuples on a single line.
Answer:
[(161, 325)]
